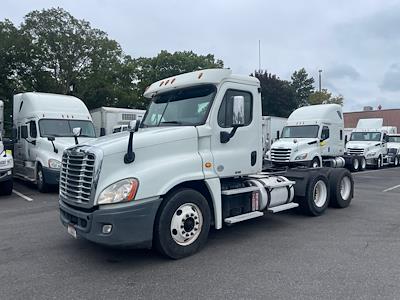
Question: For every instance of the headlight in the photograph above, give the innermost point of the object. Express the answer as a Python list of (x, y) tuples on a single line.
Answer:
[(301, 156), (54, 164), (120, 191), (267, 155)]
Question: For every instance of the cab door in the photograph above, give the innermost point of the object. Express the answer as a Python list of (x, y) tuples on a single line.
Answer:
[(242, 153), (324, 141)]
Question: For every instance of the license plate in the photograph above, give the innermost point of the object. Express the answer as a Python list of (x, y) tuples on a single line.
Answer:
[(71, 230)]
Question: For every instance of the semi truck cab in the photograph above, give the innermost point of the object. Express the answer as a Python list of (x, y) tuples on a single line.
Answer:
[(195, 162)]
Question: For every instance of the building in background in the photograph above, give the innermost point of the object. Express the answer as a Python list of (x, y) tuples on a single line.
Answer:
[(391, 117)]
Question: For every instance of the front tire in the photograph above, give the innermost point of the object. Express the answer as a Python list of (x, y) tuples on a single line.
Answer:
[(317, 194), (6, 187), (341, 188), (182, 224), (378, 164), (42, 186), (315, 163)]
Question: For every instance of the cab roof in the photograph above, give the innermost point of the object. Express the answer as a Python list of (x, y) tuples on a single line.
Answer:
[(207, 76)]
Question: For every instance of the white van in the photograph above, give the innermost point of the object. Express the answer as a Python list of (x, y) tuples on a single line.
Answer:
[(43, 125)]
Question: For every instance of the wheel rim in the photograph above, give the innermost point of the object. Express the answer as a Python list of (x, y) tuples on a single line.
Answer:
[(186, 224), (363, 163), (315, 164), (355, 164), (320, 193), (345, 188)]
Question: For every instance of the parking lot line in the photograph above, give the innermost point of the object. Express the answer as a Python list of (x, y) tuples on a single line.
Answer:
[(22, 196), (391, 188)]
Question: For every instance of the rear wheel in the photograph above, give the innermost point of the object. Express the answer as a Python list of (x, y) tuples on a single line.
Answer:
[(182, 224), (355, 164), (341, 188), (6, 187), (42, 186), (316, 198)]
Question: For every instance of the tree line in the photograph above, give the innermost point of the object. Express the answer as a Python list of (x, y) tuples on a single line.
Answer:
[(52, 51)]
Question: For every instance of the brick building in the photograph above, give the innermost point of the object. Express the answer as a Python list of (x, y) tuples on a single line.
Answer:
[(391, 117)]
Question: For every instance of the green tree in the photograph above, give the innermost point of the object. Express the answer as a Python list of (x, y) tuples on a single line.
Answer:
[(165, 64), (303, 86), (324, 97), (278, 96)]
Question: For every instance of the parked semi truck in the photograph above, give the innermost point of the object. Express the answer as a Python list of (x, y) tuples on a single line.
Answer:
[(369, 140), (195, 162), (43, 125), (393, 146), (314, 137), (6, 161), (109, 120)]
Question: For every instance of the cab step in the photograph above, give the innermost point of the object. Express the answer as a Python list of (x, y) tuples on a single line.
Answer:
[(283, 207), (244, 217), (240, 190)]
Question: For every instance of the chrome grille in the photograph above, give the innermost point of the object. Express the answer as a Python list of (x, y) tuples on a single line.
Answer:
[(355, 151), (76, 178), (280, 155)]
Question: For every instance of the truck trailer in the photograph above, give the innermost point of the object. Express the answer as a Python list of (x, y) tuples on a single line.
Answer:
[(108, 120), (194, 162)]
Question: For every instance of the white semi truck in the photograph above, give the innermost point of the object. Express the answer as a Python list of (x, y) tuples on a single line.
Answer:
[(43, 127), (195, 162), (314, 137), (393, 145), (6, 161), (369, 139), (108, 120)]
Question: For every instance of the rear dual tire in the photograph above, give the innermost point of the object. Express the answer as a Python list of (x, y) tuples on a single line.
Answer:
[(341, 188), (6, 187), (316, 198)]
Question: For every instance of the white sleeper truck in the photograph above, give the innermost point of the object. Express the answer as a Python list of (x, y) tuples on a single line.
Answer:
[(314, 137), (393, 146), (369, 139), (43, 128), (195, 162)]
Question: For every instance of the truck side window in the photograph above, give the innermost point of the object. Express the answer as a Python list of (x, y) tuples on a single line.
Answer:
[(32, 129), (226, 110), (325, 133)]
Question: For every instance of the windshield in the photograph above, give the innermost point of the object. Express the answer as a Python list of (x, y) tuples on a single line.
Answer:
[(308, 131), (187, 106), (394, 139), (63, 128), (365, 136)]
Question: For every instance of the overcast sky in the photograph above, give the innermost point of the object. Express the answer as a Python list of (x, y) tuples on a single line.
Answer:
[(355, 43)]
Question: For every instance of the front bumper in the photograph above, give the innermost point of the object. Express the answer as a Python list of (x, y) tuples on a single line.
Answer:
[(51, 176), (5, 175), (132, 226)]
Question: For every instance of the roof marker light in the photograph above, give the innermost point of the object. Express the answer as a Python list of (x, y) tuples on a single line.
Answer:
[(161, 83), (167, 82), (173, 80), (200, 75)]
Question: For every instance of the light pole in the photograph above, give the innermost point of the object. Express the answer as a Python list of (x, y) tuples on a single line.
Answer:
[(319, 77)]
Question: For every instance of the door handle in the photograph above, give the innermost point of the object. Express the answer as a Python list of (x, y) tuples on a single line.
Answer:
[(253, 158)]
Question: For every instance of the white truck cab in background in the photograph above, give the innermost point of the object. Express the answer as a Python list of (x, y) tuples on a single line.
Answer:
[(196, 161), (6, 160), (369, 139), (43, 125), (393, 145), (313, 136)]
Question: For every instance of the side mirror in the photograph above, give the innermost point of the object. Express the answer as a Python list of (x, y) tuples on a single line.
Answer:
[(238, 111), (77, 131)]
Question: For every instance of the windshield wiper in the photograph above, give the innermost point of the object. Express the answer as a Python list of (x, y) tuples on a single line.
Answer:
[(172, 122)]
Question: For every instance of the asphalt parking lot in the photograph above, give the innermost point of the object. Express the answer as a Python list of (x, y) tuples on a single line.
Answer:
[(350, 253)]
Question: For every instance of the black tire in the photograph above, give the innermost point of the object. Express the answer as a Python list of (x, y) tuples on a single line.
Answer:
[(42, 186), (396, 161), (307, 203), (6, 187), (355, 164), (164, 241), (341, 185), (378, 163), (315, 163), (363, 163)]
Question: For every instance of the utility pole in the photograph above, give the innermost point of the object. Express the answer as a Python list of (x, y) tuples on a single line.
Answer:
[(259, 56), (319, 77)]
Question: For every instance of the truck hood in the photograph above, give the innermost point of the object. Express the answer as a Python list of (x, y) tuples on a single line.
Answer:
[(390, 145), (361, 145), (145, 137), (293, 143)]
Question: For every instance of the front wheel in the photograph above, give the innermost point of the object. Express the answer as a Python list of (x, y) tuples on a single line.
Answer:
[(182, 224), (378, 164), (315, 163), (396, 161), (355, 165), (42, 186)]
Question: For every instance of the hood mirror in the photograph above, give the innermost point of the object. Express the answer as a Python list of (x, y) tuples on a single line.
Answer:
[(52, 139)]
